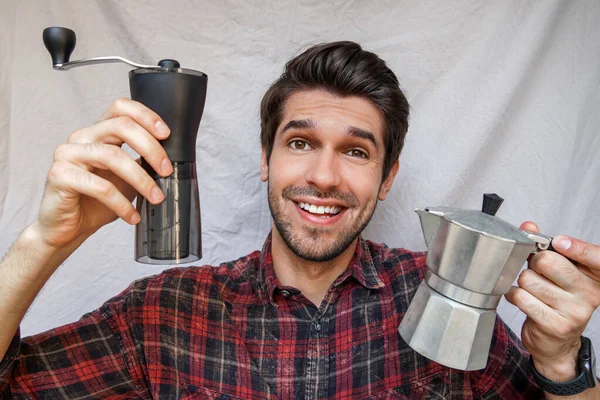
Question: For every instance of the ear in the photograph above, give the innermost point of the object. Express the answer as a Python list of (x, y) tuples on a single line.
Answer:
[(264, 166), (387, 184)]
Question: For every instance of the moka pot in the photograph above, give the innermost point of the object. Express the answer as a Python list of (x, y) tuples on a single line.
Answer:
[(473, 259), (169, 232)]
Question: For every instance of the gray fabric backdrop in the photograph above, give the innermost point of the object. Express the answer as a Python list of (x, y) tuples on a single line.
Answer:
[(504, 98)]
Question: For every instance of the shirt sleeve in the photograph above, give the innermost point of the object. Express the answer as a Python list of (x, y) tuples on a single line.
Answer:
[(7, 363), (95, 357)]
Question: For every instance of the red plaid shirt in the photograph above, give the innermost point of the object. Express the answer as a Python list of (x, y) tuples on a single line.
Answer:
[(233, 332)]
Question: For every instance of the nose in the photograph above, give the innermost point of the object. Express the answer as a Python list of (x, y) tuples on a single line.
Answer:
[(324, 170)]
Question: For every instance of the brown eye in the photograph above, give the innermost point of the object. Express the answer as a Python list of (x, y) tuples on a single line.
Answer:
[(357, 154), (299, 145)]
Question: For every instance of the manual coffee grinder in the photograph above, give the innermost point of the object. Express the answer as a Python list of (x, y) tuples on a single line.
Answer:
[(169, 232), (473, 259)]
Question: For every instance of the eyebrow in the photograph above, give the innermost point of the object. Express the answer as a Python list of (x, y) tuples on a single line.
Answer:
[(351, 130), (361, 133), (299, 124)]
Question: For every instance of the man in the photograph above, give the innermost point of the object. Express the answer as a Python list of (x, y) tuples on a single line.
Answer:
[(314, 315)]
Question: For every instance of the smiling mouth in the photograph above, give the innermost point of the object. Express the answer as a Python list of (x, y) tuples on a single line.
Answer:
[(320, 211)]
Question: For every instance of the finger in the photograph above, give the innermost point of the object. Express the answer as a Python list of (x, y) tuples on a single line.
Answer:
[(588, 272), (572, 279), (558, 269), (585, 253), (70, 178), (128, 191), (120, 130), (113, 158), (543, 315), (141, 114), (546, 291), (529, 226)]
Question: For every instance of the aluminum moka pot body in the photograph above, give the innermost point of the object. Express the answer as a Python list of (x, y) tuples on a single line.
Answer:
[(473, 259)]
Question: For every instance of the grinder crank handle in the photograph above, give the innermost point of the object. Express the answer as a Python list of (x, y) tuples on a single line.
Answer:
[(60, 43)]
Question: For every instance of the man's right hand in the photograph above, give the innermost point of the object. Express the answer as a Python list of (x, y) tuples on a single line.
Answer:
[(92, 181)]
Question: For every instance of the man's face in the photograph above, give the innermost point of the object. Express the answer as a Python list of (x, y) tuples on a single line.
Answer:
[(325, 172)]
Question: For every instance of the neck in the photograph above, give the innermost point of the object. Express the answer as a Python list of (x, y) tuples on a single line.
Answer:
[(312, 278)]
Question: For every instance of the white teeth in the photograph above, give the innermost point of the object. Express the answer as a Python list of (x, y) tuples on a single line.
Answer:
[(314, 209)]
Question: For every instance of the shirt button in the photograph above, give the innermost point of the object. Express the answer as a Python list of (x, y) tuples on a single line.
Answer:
[(318, 327), (285, 293)]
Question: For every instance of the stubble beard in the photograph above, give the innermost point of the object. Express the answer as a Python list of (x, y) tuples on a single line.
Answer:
[(304, 242)]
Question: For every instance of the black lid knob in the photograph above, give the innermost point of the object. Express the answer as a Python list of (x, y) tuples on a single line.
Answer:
[(491, 203), (60, 42), (168, 63)]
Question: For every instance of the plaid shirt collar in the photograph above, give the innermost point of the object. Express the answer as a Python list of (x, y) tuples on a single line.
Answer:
[(362, 268)]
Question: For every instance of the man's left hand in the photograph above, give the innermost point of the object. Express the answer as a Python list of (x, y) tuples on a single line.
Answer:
[(559, 298)]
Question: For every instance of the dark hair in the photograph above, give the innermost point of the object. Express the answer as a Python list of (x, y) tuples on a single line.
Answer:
[(344, 69)]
